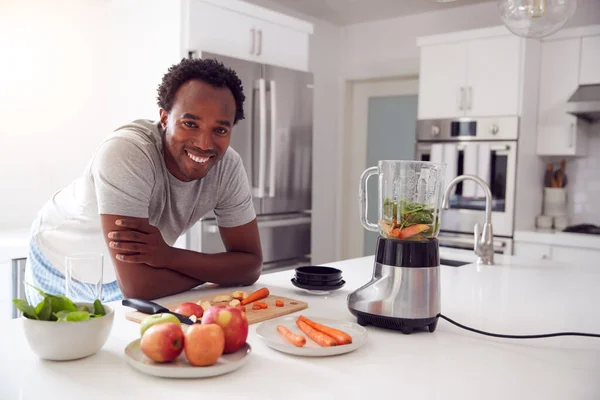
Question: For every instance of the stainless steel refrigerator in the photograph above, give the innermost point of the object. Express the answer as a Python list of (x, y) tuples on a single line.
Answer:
[(275, 143)]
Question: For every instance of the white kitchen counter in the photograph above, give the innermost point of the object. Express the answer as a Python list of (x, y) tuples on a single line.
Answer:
[(519, 297), (558, 238)]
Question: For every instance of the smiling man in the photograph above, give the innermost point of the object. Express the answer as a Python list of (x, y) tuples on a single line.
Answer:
[(148, 183)]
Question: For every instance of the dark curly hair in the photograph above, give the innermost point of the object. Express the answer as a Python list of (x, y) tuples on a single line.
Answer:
[(210, 71)]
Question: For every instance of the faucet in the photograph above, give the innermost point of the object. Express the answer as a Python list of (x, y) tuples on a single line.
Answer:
[(484, 241)]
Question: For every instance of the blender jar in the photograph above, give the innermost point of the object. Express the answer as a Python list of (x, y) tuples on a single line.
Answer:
[(410, 197)]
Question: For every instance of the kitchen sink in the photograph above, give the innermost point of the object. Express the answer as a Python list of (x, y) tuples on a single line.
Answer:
[(453, 263)]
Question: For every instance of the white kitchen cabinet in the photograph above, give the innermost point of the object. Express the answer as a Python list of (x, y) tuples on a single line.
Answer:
[(575, 255), (221, 30), (442, 81), (493, 76), (470, 76), (559, 133), (589, 72), (281, 46)]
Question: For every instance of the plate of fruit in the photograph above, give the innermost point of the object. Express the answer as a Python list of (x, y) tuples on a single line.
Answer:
[(312, 336), (166, 348)]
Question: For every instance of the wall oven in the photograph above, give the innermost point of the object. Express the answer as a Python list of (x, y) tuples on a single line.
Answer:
[(485, 147)]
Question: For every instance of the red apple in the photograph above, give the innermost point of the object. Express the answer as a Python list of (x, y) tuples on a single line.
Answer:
[(188, 309), (233, 323), (204, 344), (162, 342)]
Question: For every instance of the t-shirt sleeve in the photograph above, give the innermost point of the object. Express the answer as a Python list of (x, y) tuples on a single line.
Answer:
[(123, 176), (234, 206)]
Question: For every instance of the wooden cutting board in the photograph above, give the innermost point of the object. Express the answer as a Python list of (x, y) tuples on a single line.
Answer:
[(254, 316)]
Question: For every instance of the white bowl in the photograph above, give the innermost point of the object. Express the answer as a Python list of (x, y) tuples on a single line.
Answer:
[(62, 341)]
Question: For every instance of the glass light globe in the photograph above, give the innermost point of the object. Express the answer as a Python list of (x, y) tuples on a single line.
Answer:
[(535, 18)]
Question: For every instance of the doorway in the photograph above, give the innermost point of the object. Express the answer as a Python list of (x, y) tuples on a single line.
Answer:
[(381, 120)]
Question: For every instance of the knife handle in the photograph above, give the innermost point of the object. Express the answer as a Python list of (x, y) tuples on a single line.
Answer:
[(145, 306)]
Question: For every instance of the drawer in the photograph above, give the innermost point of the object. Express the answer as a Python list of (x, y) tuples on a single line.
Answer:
[(534, 251), (575, 255)]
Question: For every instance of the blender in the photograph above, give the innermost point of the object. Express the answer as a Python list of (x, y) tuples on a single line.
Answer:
[(404, 291)]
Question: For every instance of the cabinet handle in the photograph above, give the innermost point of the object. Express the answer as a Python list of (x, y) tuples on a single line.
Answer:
[(461, 100), (259, 42), (572, 136), (470, 97), (253, 40)]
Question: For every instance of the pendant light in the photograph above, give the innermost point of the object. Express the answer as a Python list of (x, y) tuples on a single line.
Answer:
[(535, 18)]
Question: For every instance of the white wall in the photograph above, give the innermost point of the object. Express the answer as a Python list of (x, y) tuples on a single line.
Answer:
[(61, 93), (51, 102)]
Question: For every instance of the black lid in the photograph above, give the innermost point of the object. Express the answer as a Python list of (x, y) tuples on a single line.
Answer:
[(408, 253)]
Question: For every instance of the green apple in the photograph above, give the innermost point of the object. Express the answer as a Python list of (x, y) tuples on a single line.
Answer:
[(157, 319)]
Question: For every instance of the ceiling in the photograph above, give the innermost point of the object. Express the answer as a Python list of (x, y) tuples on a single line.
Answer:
[(346, 12)]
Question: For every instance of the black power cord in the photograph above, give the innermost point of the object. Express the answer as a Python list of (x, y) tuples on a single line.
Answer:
[(545, 335)]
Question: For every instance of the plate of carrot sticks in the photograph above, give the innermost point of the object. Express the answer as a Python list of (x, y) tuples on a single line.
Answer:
[(312, 336)]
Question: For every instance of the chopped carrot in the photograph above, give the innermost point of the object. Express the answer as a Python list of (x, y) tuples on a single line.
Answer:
[(256, 307), (296, 340), (279, 303), (258, 295), (411, 231), (322, 339), (262, 304), (339, 336)]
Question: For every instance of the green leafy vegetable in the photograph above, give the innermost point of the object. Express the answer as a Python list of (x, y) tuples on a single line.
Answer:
[(27, 310), (401, 215), (59, 308), (44, 309), (98, 308), (71, 316)]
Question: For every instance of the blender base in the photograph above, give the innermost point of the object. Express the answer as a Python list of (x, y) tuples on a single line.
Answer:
[(404, 325)]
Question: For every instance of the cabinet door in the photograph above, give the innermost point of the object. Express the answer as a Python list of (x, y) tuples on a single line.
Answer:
[(442, 80), (559, 133), (281, 46), (221, 31), (562, 139), (493, 71), (559, 78), (590, 60)]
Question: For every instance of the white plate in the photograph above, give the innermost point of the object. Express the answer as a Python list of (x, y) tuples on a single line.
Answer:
[(267, 331), (180, 367)]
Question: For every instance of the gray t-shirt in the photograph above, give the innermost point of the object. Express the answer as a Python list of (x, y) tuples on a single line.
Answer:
[(127, 176)]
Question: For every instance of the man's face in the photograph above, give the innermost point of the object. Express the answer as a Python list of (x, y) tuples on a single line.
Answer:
[(198, 129)]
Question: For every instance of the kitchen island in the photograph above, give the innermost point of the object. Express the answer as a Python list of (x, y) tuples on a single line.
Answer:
[(515, 297)]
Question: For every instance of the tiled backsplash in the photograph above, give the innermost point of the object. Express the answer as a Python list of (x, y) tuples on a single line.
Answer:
[(583, 187)]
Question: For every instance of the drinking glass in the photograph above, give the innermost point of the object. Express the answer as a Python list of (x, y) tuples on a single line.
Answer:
[(84, 276)]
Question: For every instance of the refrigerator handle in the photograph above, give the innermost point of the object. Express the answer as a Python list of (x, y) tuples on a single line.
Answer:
[(262, 159), (273, 139)]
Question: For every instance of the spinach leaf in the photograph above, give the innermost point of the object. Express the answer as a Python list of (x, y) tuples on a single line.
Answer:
[(27, 310), (72, 316), (98, 308), (44, 309), (61, 303), (78, 316)]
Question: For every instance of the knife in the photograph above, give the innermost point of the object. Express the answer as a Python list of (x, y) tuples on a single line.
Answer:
[(149, 307)]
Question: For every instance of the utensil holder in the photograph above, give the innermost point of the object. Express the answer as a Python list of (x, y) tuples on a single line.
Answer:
[(555, 202)]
